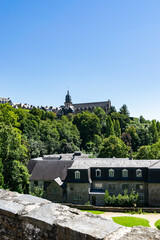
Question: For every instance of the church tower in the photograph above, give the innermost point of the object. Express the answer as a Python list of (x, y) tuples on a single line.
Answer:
[(68, 101)]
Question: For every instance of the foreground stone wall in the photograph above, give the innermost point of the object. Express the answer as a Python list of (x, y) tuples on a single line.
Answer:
[(24, 217)]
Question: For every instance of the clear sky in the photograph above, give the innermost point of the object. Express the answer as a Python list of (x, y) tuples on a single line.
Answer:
[(98, 49)]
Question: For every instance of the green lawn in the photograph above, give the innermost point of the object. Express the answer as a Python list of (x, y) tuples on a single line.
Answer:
[(157, 224), (131, 221), (94, 212)]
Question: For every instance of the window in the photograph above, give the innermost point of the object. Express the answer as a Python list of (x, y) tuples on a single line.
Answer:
[(35, 183), (125, 186), (46, 185), (138, 173), (111, 173), (77, 175), (98, 173), (111, 187), (78, 197), (124, 173), (139, 187), (98, 185)]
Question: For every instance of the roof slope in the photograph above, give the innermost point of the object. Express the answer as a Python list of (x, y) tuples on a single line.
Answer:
[(49, 170), (111, 163)]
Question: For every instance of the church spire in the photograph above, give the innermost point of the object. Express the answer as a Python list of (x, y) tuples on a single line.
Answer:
[(68, 100)]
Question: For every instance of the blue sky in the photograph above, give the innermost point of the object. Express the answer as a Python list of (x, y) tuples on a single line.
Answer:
[(99, 50)]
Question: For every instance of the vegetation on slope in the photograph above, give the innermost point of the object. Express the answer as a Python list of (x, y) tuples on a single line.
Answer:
[(28, 134)]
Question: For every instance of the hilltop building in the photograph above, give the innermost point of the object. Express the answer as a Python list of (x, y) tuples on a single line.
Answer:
[(75, 108), (5, 100), (76, 178), (65, 109)]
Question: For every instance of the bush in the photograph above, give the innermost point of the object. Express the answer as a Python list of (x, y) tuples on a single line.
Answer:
[(37, 192), (125, 200), (157, 224)]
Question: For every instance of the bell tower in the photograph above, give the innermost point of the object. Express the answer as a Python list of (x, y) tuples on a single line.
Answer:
[(68, 101)]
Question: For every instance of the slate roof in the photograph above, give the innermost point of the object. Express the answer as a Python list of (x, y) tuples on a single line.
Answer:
[(49, 170), (50, 167), (91, 104), (112, 163)]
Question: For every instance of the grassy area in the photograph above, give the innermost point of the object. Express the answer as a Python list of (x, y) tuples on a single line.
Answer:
[(157, 224), (131, 221), (92, 211)]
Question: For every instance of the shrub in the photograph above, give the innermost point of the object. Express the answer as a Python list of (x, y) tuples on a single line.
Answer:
[(37, 192), (120, 200)]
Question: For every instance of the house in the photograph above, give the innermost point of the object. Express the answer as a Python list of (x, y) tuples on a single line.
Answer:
[(76, 178), (49, 172), (87, 180)]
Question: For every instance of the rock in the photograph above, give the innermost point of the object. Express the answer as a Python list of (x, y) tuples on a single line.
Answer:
[(24, 217)]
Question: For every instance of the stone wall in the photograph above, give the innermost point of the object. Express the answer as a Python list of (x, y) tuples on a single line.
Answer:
[(78, 193), (54, 193), (24, 217), (154, 194)]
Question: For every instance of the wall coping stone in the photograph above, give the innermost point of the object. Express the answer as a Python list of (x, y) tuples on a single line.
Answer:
[(27, 217)]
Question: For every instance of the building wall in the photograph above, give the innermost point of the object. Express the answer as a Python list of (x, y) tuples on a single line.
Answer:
[(154, 194), (116, 187), (54, 193), (97, 199), (78, 193)]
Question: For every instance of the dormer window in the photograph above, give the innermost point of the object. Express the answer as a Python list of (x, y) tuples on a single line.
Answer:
[(138, 173), (124, 173), (98, 173), (111, 173), (77, 175)]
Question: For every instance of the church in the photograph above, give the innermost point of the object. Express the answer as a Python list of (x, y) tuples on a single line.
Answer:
[(75, 108)]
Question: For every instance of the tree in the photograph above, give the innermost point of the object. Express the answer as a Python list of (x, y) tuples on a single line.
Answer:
[(19, 177), (145, 152), (134, 137), (142, 119), (158, 126), (124, 110), (154, 132), (113, 147), (100, 113), (109, 127), (11, 150), (126, 138), (117, 128), (112, 110), (88, 125), (124, 120), (1, 174)]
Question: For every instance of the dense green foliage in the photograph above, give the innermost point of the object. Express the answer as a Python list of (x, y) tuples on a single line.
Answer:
[(28, 134), (125, 200), (131, 221)]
